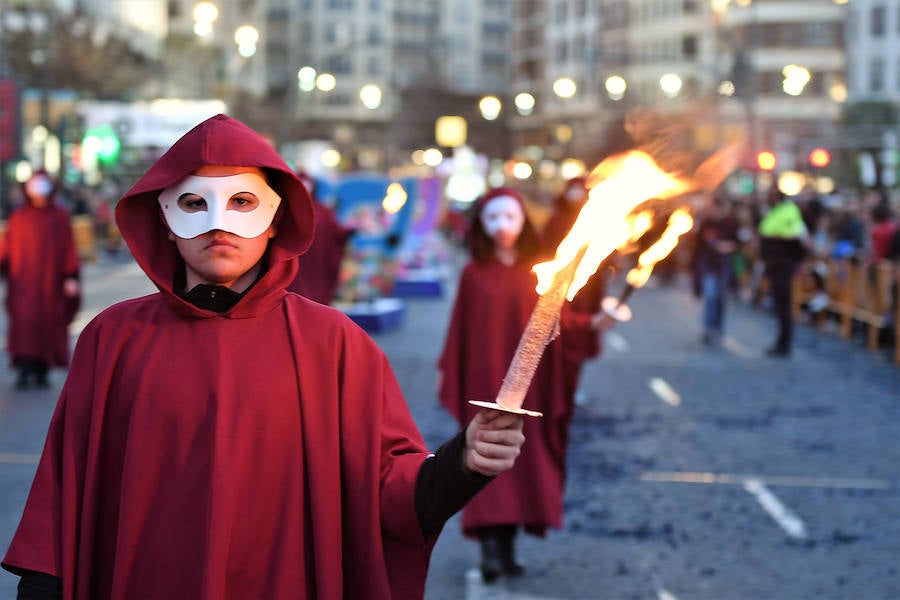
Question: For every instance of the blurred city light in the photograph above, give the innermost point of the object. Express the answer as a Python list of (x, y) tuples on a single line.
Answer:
[(306, 79), (490, 107), (572, 167), (205, 12), (522, 170), (331, 158), (766, 160), (820, 158), (432, 157), (394, 198), (370, 95), (564, 87), (325, 82), (615, 87), (670, 84), (791, 183), (795, 79), (246, 37), (450, 131), (524, 103)]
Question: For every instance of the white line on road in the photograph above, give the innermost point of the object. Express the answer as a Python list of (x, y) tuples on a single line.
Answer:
[(735, 347), (665, 595), (782, 480), (19, 459), (615, 341), (788, 521), (664, 391)]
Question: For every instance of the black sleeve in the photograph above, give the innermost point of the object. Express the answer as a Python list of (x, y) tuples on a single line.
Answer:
[(444, 485), (35, 585)]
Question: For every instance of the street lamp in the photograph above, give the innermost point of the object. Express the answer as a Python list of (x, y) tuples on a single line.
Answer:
[(615, 87), (490, 107), (205, 13), (524, 103), (564, 87), (370, 96), (670, 84), (246, 37)]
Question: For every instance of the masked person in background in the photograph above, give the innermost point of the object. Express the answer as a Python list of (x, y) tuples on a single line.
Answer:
[(320, 267), (584, 319), (39, 259), (226, 439), (494, 301)]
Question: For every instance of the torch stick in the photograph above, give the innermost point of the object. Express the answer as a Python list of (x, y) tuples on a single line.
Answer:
[(542, 328)]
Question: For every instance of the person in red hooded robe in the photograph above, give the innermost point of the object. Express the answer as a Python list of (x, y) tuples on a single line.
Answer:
[(39, 259), (583, 318), (224, 438), (494, 300), (320, 266)]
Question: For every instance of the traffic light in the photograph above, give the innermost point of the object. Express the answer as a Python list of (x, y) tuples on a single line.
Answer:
[(820, 158), (766, 160)]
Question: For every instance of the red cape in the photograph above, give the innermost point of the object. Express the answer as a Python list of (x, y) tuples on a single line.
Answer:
[(36, 255), (317, 278), (265, 452), (492, 307)]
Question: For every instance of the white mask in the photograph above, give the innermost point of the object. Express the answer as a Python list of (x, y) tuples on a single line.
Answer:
[(39, 186), (241, 204), (503, 213)]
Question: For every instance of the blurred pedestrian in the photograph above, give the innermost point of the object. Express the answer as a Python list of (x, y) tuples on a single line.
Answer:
[(320, 266), (782, 248), (584, 320), (716, 242), (39, 260), (494, 301), (884, 227), (225, 438)]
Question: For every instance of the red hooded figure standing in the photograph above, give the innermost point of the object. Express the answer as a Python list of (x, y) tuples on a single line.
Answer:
[(320, 267), (224, 438), (494, 301), (583, 318), (40, 262)]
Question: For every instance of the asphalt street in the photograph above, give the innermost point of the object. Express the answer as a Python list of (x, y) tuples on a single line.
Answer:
[(695, 473)]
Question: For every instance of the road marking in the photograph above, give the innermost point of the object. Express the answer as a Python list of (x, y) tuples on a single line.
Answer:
[(788, 521), (477, 589), (615, 341), (735, 347), (665, 595), (19, 459), (665, 391), (775, 480)]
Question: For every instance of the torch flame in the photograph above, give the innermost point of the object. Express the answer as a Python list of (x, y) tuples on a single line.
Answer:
[(679, 223), (606, 222), (603, 223)]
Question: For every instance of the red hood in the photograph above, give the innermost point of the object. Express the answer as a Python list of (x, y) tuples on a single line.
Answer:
[(220, 140)]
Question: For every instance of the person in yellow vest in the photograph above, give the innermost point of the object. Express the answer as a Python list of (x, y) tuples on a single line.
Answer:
[(782, 247)]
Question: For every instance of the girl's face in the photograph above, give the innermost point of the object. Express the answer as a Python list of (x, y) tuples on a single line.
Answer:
[(503, 219)]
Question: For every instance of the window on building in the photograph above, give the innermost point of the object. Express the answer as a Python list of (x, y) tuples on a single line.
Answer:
[(374, 66), (876, 75), (689, 46), (876, 25), (559, 11), (341, 4)]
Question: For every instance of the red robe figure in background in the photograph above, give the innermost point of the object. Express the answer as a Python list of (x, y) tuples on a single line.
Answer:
[(320, 266), (582, 317), (494, 301), (39, 259), (230, 439)]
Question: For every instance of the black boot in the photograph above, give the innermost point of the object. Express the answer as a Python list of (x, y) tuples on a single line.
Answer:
[(41, 370), (25, 370), (507, 554), (490, 557)]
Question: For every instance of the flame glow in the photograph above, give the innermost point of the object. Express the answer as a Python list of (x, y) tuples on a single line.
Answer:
[(605, 222), (679, 223)]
